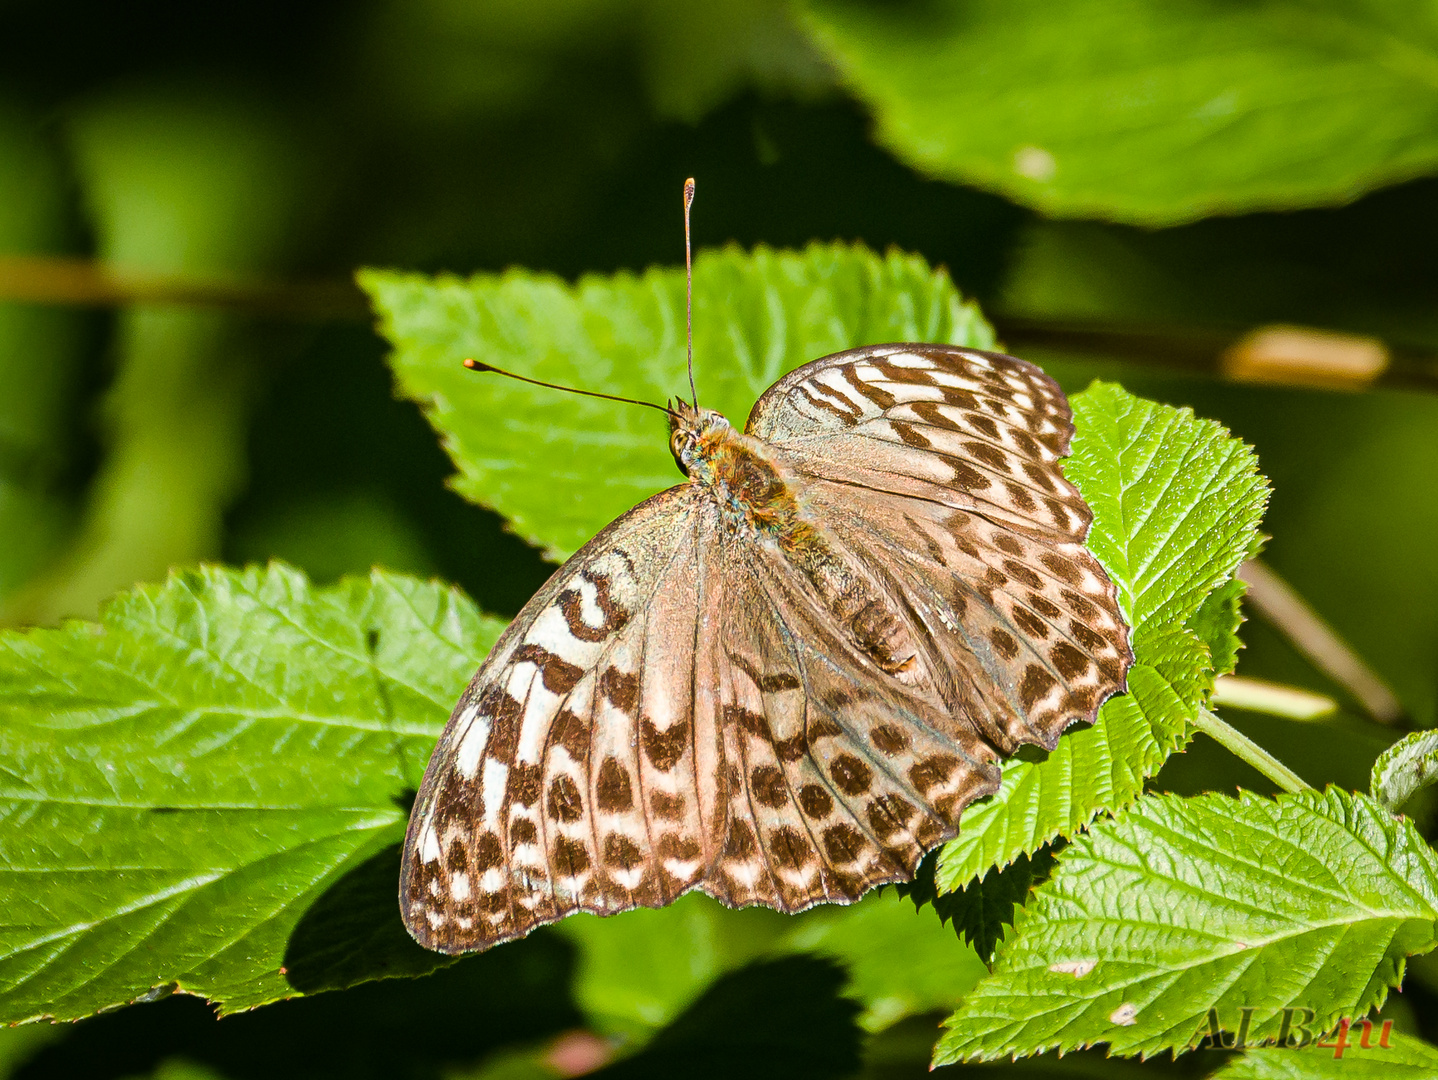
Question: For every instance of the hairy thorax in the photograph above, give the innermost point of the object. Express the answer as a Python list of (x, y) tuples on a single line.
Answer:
[(755, 497)]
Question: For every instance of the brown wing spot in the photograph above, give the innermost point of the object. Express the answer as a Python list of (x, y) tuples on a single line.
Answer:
[(911, 437), (455, 791), (989, 454), (933, 771), (748, 720), (505, 714), (570, 857), (572, 733), (964, 399), (1061, 567), (614, 616), (959, 603), (1030, 448), (1059, 511), (621, 688), (767, 784), (789, 848), (851, 774), (664, 748), (877, 394), (928, 832), (675, 846), (1083, 699), (559, 676), (488, 852), (1004, 642), (1020, 496), (1069, 660), (1041, 476), (496, 901), (571, 606), (889, 739), (995, 578), (455, 862), (1008, 545), (564, 801), (968, 477), (1088, 637), (1030, 623), (889, 814), (777, 681), (815, 801), (524, 783), (1081, 606), (613, 788), (739, 844), (1036, 684), (791, 749), (1044, 606), (522, 832), (666, 806), (1019, 572), (844, 843), (622, 852), (984, 426)]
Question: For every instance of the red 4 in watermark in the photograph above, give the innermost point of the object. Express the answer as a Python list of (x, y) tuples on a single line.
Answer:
[(1295, 1033)]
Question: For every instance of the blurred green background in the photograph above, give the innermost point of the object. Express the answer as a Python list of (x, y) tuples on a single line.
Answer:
[(1199, 168)]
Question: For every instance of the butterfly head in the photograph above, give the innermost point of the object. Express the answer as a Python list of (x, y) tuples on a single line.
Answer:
[(693, 432)]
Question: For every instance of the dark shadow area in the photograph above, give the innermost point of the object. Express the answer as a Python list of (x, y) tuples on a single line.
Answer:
[(384, 1030), (329, 423), (353, 933), (783, 1018)]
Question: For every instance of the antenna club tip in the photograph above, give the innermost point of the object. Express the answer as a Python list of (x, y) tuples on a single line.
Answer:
[(689, 190), (475, 365)]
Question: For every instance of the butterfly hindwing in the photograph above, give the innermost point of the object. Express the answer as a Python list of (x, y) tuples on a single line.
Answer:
[(966, 513), (837, 782)]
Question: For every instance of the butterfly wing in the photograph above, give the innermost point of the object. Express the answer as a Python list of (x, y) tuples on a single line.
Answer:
[(937, 468), (566, 777), (834, 780), (679, 708)]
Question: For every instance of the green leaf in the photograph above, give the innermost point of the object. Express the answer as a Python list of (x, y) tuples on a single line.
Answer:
[(1178, 906), (1216, 624), (184, 779), (1405, 1058), (560, 468), (1176, 502), (1405, 768), (1147, 111)]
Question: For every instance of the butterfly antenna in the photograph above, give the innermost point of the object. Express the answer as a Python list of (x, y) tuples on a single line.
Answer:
[(475, 365), (689, 289)]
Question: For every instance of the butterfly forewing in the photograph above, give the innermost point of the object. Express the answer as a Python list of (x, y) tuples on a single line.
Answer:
[(780, 710), (566, 778)]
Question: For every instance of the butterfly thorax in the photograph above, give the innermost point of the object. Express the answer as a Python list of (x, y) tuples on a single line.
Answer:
[(756, 498)]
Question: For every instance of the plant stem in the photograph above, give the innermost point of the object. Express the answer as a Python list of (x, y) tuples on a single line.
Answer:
[(1240, 744)]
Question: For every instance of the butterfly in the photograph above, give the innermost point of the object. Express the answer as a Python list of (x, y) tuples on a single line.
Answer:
[(781, 681)]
